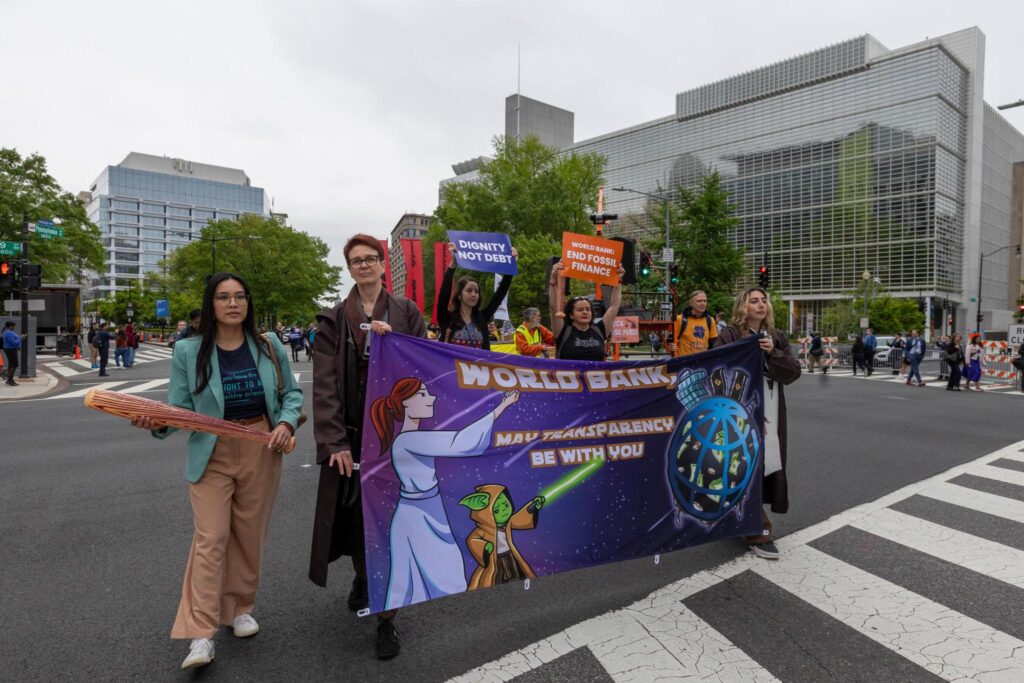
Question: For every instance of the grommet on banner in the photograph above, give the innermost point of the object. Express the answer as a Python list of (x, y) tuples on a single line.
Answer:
[(657, 559), (363, 612), (355, 466), (364, 326), (526, 584)]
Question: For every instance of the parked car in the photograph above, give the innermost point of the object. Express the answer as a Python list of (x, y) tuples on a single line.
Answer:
[(884, 349)]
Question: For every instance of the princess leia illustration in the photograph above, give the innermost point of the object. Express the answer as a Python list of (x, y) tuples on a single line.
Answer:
[(426, 562)]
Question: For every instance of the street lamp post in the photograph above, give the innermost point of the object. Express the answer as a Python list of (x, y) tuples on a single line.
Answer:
[(662, 198), (213, 246), (981, 268), (866, 277)]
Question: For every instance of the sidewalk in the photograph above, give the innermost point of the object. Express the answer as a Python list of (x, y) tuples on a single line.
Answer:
[(29, 387)]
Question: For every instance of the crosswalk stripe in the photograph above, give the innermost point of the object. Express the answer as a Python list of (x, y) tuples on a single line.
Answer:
[(977, 554), (83, 363), (156, 383), (947, 643), (82, 392), (1000, 474), (989, 503), (296, 374), (63, 371)]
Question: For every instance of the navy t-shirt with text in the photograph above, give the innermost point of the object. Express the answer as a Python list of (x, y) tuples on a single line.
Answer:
[(243, 389)]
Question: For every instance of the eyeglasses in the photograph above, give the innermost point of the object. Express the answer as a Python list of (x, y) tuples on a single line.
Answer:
[(224, 298), (360, 262)]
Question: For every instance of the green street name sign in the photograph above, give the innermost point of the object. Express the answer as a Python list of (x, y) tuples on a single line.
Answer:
[(10, 248), (47, 230)]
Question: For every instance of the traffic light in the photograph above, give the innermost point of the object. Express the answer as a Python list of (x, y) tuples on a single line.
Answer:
[(674, 274), (6, 275), (645, 263), (762, 276), (31, 276)]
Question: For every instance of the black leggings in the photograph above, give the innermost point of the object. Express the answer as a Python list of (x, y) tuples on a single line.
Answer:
[(954, 376)]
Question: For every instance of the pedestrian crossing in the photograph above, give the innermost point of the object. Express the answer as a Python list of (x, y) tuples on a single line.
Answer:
[(135, 387), (925, 583), (72, 368), (1011, 388)]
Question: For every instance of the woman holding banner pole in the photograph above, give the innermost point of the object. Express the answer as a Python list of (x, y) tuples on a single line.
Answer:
[(460, 317), (752, 315), (577, 336)]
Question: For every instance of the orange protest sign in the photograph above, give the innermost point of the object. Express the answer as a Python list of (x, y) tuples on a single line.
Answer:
[(591, 258), (626, 329)]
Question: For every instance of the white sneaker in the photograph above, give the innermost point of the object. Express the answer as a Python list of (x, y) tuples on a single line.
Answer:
[(200, 653), (245, 626)]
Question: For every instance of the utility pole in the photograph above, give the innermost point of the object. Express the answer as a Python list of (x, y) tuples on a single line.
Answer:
[(24, 298)]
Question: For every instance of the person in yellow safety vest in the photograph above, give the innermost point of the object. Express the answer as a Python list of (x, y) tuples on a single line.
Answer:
[(532, 338), (694, 328)]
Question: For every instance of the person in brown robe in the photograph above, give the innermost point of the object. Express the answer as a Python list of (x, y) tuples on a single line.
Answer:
[(499, 560), (752, 315), (340, 363)]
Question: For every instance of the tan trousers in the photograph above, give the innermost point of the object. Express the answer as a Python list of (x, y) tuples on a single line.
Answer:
[(231, 506)]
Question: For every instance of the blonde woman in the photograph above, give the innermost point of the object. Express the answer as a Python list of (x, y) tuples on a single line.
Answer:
[(752, 315)]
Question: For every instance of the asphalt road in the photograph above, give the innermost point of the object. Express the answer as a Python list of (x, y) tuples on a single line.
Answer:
[(95, 528)]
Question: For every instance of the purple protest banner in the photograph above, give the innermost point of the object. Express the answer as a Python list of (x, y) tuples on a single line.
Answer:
[(488, 252), (481, 468)]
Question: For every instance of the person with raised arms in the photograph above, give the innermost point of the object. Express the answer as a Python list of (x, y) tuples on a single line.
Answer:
[(461, 319), (577, 336)]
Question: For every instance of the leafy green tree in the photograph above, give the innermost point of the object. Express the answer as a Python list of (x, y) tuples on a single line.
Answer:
[(287, 270), (701, 222), (531, 192), (27, 188)]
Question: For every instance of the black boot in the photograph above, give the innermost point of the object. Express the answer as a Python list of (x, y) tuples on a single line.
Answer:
[(387, 639), (358, 597)]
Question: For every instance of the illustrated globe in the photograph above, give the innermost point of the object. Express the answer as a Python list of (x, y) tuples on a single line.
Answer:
[(712, 457)]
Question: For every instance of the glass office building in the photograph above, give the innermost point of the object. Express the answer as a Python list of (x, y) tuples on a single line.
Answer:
[(848, 159), (148, 206)]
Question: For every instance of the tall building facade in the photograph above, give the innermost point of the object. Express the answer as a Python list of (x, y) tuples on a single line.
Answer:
[(848, 159), (409, 226), (147, 206)]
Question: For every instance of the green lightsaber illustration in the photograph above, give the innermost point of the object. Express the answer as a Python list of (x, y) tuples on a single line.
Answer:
[(569, 481)]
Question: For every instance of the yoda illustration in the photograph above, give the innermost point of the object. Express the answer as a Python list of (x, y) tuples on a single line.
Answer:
[(491, 542)]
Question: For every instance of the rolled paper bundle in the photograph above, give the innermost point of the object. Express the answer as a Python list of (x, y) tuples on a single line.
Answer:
[(130, 407)]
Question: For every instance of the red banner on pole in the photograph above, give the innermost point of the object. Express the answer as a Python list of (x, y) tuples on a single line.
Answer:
[(412, 251), (441, 256), (387, 266)]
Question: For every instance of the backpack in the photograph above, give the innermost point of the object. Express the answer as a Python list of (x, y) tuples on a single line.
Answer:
[(97, 341)]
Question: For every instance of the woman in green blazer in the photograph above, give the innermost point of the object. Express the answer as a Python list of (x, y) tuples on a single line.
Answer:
[(227, 371)]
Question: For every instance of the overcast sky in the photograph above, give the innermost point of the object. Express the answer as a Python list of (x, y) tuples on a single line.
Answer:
[(349, 113)]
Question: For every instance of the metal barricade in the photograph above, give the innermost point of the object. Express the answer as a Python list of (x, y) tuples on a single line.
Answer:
[(66, 344)]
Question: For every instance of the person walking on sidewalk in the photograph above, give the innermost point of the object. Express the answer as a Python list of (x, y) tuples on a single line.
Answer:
[(814, 353), (120, 346), (954, 357), (870, 347), (131, 345), (752, 316), (12, 349), (102, 341), (857, 356), (974, 362), (94, 353), (233, 483), (915, 354)]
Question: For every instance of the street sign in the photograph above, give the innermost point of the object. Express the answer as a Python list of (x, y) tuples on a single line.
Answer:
[(863, 323), (14, 305), (668, 254), (666, 307), (10, 248), (47, 230), (163, 308), (1015, 335)]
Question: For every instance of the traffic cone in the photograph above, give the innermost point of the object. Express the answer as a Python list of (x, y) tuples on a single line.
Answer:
[(78, 353)]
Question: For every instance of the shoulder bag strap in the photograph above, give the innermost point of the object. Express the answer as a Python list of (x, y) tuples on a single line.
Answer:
[(277, 366)]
